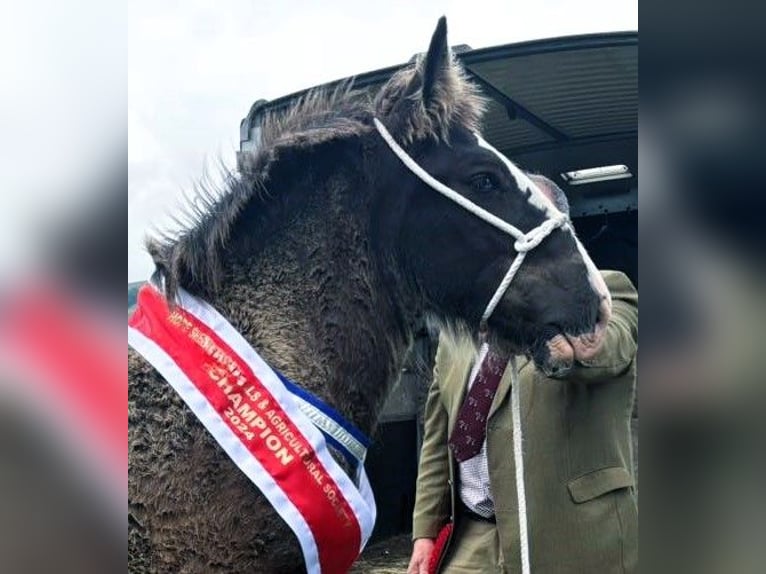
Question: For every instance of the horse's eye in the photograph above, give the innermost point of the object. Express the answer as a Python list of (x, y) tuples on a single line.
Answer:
[(483, 183)]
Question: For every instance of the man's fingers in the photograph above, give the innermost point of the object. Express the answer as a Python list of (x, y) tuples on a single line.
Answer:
[(421, 554), (418, 564)]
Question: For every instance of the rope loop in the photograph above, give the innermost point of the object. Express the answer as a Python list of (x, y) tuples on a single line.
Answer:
[(533, 238)]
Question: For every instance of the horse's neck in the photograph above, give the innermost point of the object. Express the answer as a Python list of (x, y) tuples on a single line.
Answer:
[(312, 305)]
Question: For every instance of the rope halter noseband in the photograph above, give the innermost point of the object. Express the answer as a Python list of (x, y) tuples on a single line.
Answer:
[(524, 243)]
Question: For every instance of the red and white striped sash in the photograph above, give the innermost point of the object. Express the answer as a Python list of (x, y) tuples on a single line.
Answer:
[(259, 423)]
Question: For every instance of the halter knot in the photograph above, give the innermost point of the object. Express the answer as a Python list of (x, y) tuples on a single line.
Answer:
[(533, 238)]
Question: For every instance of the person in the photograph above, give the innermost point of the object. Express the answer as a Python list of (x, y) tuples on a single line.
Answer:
[(582, 513)]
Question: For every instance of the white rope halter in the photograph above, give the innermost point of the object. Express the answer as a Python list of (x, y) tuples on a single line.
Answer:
[(524, 243)]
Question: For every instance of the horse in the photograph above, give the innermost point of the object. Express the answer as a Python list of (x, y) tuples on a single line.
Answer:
[(326, 251)]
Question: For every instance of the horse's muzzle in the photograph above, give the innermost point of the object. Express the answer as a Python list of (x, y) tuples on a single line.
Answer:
[(564, 349)]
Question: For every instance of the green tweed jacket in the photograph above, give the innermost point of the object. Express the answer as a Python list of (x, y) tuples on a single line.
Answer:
[(581, 500)]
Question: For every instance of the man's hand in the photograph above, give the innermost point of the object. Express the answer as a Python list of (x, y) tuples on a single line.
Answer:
[(421, 554)]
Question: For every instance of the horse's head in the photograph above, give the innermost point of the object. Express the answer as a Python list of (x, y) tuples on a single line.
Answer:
[(556, 304)]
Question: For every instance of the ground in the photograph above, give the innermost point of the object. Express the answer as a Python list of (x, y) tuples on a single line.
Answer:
[(389, 556)]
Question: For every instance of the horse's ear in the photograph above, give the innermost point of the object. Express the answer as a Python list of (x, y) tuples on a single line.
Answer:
[(430, 98), (436, 64)]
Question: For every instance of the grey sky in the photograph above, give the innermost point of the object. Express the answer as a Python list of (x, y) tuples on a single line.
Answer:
[(195, 68)]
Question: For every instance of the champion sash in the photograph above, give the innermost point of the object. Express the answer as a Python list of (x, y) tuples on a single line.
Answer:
[(253, 415)]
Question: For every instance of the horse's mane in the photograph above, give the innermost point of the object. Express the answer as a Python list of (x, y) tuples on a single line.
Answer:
[(191, 256), (320, 116)]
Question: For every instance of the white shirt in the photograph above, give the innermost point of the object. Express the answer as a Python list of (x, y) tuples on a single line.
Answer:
[(475, 491)]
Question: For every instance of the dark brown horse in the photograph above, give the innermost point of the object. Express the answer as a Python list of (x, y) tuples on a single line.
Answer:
[(325, 252)]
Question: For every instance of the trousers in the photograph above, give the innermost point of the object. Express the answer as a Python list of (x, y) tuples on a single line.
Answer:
[(475, 549)]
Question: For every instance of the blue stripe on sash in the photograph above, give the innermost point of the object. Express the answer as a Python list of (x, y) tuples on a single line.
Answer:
[(325, 408), (331, 413)]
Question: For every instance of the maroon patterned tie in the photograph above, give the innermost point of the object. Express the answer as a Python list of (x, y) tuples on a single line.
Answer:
[(471, 425)]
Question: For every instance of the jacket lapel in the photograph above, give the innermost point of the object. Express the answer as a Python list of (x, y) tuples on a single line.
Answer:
[(455, 386), (505, 385), (454, 383)]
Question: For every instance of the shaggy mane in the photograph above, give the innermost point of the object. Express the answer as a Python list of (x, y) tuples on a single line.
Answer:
[(192, 257)]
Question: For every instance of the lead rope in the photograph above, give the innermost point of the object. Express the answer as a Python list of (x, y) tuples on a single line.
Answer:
[(524, 243), (518, 459)]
